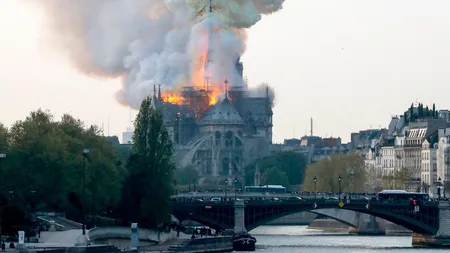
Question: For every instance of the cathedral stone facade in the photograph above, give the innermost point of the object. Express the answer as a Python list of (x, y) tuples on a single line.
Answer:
[(223, 138)]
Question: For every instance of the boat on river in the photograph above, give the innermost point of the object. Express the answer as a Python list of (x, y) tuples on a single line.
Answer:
[(243, 242)]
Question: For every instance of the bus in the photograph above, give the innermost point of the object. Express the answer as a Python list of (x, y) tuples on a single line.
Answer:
[(396, 195), (266, 188)]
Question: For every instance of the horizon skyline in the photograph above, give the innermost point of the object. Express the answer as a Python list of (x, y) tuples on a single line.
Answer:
[(349, 65)]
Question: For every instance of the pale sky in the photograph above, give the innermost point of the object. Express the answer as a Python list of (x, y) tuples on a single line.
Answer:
[(349, 64)]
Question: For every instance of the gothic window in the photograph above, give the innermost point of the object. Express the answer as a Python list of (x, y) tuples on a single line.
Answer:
[(218, 135), (228, 139)]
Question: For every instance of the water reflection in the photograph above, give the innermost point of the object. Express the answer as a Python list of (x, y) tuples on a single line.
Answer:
[(286, 239)]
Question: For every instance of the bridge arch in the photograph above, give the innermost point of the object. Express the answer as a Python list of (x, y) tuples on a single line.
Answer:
[(344, 216), (425, 222), (221, 215)]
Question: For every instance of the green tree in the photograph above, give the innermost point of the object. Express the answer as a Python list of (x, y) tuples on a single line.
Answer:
[(149, 183), (434, 110), (350, 167), (187, 175), (274, 176), (402, 178), (4, 135), (291, 163), (44, 164)]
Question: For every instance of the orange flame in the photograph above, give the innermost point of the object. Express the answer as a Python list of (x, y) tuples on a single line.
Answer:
[(214, 97), (172, 97)]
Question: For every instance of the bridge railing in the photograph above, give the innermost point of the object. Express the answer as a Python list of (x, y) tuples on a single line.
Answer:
[(363, 200)]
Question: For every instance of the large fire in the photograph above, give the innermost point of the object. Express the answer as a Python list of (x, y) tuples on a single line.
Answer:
[(172, 97), (201, 78)]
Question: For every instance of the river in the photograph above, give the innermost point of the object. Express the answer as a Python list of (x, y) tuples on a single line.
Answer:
[(299, 239)]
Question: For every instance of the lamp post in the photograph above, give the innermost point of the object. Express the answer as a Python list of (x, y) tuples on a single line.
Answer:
[(235, 188), (85, 154), (439, 188), (352, 176), (315, 188), (339, 179), (226, 187), (443, 187)]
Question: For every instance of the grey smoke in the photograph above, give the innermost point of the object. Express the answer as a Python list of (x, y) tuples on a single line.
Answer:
[(147, 42), (260, 91)]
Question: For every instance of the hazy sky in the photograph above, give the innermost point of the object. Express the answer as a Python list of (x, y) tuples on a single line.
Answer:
[(349, 64)]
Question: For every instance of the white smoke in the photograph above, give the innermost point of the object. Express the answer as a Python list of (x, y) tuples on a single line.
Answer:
[(262, 90), (149, 42)]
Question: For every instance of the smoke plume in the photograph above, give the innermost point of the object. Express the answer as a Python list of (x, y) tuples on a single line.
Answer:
[(148, 42), (261, 91)]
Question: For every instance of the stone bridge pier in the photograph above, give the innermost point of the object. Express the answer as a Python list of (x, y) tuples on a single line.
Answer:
[(239, 216), (442, 237)]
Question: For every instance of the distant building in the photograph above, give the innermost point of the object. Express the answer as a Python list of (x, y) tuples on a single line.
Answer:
[(308, 141), (367, 138), (429, 164), (443, 155), (445, 115), (292, 142), (127, 137), (388, 158)]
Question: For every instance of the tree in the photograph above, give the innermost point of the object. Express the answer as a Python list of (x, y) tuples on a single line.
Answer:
[(291, 163), (186, 176), (434, 111), (401, 178), (274, 176), (350, 167), (44, 164), (4, 135), (149, 184)]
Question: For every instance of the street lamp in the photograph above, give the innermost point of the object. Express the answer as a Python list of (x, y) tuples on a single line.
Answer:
[(226, 187), (439, 188), (443, 187), (85, 154), (235, 188), (339, 178), (315, 188)]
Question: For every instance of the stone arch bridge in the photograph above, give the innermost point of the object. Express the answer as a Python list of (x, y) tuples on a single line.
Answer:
[(430, 221)]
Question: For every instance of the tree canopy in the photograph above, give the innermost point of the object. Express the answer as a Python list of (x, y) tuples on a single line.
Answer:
[(44, 164), (187, 175), (290, 165), (149, 183), (350, 167)]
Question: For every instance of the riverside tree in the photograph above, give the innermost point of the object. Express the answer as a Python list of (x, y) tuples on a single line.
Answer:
[(290, 166), (148, 186), (44, 164), (350, 167)]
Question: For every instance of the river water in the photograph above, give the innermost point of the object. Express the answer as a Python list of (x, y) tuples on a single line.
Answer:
[(299, 239)]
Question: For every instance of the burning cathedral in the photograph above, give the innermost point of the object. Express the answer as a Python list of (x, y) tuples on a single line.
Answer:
[(219, 133)]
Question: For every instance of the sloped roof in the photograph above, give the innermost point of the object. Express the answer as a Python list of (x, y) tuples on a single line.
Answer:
[(220, 114)]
